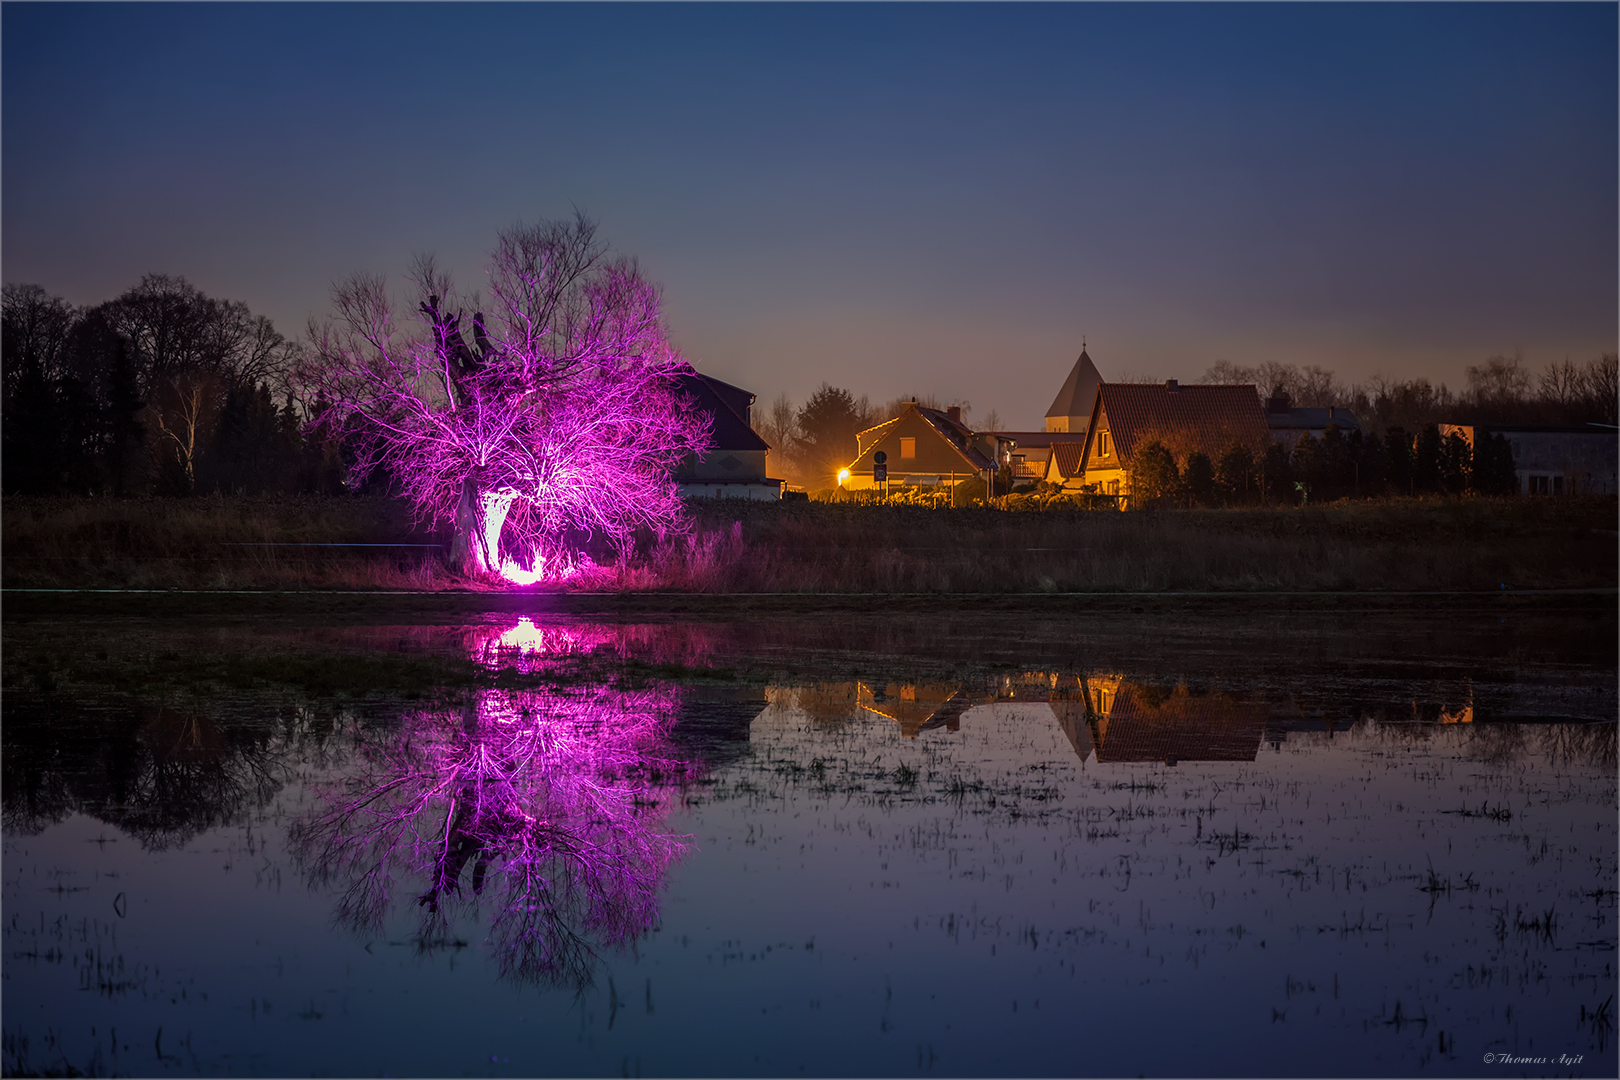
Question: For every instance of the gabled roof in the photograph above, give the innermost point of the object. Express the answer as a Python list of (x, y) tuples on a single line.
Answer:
[(729, 431), (1068, 458), (1079, 389), (1185, 419), (958, 435)]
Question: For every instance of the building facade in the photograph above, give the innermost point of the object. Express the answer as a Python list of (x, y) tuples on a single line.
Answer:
[(1555, 460), (737, 464)]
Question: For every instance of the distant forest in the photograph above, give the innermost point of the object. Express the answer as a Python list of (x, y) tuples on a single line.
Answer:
[(165, 390)]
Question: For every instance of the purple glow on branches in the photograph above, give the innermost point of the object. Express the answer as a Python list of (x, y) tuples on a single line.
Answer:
[(541, 809), (563, 419)]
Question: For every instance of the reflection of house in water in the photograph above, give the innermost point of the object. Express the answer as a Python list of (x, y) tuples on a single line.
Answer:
[(1140, 722), (916, 707)]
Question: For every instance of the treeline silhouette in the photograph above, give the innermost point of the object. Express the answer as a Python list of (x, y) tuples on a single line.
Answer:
[(1502, 390), (162, 390), (1339, 465)]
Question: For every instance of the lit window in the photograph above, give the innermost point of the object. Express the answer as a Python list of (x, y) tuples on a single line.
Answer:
[(1113, 487), (1102, 444), (908, 448)]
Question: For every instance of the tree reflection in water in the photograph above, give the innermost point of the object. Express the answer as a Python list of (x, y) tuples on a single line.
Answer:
[(542, 809)]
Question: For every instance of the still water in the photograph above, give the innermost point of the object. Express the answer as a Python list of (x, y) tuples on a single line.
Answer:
[(826, 845)]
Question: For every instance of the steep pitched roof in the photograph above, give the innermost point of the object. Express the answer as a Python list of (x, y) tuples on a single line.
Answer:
[(1185, 418), (955, 434), (958, 435), (729, 430), (1069, 458), (1079, 389), (1143, 726)]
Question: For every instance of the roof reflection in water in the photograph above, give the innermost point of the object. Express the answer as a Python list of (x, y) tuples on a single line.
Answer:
[(1118, 719), (1142, 722)]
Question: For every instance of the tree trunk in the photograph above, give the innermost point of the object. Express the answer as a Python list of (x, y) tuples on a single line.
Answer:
[(480, 517), (466, 547)]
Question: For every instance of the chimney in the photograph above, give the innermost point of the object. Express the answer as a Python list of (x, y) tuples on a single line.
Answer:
[(954, 414), (1171, 385)]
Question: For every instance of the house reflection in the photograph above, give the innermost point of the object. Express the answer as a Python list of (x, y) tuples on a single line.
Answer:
[(1136, 722), (1105, 715), (916, 707)]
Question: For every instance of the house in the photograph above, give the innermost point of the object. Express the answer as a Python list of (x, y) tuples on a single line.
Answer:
[(1288, 424), (916, 707), (1131, 722), (923, 448), (1185, 419), (1029, 453), (1555, 460), (736, 466), (1071, 409), (1065, 464)]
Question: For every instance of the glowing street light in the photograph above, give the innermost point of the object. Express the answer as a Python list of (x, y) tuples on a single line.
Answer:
[(843, 475)]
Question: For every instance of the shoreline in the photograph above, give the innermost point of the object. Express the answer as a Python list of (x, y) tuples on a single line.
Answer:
[(36, 602)]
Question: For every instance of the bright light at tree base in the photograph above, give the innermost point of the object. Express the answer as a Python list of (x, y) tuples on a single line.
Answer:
[(556, 567)]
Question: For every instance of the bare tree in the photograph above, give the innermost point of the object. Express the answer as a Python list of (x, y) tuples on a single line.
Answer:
[(562, 415)]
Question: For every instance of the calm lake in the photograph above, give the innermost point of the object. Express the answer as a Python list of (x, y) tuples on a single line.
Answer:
[(1325, 841)]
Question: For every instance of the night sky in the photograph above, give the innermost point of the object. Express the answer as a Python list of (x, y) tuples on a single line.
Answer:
[(897, 199)]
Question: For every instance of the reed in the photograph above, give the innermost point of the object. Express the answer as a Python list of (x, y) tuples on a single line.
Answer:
[(1399, 545)]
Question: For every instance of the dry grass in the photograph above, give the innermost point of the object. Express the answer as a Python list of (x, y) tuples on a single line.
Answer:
[(1389, 545), (1399, 545), (218, 543)]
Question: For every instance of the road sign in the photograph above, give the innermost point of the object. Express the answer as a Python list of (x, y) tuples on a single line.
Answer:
[(880, 474), (881, 458)]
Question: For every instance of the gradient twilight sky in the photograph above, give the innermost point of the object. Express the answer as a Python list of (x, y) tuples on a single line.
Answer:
[(898, 199)]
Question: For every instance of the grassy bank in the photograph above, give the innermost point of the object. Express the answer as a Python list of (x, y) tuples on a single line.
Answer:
[(1399, 545)]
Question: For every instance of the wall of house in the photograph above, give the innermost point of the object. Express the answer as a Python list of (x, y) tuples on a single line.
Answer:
[(933, 456), (1074, 425), (754, 491), (1107, 471), (725, 465), (1584, 463)]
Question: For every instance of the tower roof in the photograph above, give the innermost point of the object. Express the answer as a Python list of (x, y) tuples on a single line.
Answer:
[(1079, 389)]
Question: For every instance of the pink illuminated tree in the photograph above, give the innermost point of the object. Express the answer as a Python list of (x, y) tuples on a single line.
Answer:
[(538, 812), (561, 418)]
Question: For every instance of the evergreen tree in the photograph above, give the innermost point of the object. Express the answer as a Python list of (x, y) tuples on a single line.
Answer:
[(1153, 475), (1234, 474), (1426, 460), (1493, 472), (1456, 462), (1198, 479)]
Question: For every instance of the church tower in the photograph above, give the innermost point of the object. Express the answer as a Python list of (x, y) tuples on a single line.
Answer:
[(1071, 409)]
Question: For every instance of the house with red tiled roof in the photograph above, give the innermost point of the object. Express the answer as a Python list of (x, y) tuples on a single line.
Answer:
[(923, 447), (1186, 419), (1066, 464)]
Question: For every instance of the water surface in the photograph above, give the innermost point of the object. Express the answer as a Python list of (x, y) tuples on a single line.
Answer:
[(955, 844)]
